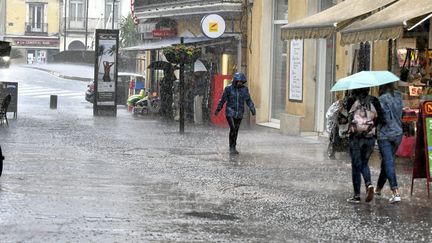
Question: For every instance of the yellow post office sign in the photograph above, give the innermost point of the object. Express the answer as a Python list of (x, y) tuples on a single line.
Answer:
[(213, 25)]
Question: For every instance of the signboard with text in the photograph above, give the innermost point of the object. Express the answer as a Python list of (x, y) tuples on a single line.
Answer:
[(105, 74), (422, 162), (296, 71)]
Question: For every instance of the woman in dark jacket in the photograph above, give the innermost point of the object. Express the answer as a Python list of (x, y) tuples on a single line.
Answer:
[(235, 95)]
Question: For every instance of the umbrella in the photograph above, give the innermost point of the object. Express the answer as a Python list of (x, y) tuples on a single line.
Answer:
[(364, 79), (199, 66)]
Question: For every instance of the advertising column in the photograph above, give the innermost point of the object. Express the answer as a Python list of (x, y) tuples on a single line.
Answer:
[(105, 74)]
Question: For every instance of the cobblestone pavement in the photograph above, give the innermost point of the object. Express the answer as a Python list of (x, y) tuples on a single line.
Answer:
[(72, 177)]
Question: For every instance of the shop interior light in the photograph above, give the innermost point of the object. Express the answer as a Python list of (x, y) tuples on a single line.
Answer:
[(225, 60)]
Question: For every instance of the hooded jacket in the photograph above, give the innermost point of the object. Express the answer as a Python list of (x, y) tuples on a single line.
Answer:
[(391, 106), (235, 97)]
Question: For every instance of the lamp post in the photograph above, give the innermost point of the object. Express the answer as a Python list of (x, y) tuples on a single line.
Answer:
[(65, 24), (182, 98), (86, 24), (112, 19)]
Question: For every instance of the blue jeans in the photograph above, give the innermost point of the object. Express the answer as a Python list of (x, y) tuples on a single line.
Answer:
[(360, 149), (388, 149)]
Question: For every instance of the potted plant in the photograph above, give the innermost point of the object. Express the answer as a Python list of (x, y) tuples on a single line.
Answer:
[(182, 54)]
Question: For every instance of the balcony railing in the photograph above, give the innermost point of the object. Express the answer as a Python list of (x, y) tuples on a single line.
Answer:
[(151, 4), (79, 24), (36, 28)]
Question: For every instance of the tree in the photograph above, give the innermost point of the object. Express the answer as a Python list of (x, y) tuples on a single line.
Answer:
[(128, 33)]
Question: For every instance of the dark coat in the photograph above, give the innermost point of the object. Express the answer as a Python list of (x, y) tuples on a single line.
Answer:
[(235, 97)]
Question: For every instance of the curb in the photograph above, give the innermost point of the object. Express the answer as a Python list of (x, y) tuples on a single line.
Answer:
[(57, 74)]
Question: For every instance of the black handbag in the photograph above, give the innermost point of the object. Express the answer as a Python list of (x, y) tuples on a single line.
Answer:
[(404, 72)]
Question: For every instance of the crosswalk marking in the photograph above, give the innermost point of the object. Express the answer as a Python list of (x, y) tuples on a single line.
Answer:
[(43, 92)]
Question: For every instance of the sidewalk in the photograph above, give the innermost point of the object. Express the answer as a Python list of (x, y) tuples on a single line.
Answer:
[(80, 72)]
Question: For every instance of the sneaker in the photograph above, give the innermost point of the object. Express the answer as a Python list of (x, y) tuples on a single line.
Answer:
[(354, 199), (377, 193), (395, 198), (369, 193), (233, 151)]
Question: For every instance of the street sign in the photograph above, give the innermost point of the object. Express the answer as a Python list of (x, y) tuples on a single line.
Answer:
[(428, 107), (213, 26), (422, 162)]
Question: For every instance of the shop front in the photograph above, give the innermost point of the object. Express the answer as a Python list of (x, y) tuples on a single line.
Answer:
[(217, 60), (316, 59), (404, 27), (36, 50)]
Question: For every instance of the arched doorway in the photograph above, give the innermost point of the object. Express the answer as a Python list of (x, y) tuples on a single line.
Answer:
[(76, 45)]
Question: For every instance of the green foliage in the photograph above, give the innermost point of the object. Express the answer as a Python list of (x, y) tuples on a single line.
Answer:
[(181, 54), (128, 32)]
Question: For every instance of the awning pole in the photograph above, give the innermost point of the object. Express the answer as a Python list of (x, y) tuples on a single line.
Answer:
[(239, 54)]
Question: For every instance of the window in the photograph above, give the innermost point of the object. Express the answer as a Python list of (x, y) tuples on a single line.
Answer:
[(109, 12), (36, 16), (278, 90), (76, 10)]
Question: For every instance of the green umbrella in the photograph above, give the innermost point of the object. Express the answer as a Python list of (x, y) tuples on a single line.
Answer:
[(364, 79)]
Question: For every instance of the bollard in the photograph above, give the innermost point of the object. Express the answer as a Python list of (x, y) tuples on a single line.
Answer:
[(53, 102)]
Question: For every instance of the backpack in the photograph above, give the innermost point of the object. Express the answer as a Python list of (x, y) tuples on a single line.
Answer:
[(363, 116)]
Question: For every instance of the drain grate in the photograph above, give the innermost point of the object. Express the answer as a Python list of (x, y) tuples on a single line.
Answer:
[(213, 216)]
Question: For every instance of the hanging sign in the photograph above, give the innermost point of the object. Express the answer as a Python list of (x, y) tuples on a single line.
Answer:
[(213, 26)]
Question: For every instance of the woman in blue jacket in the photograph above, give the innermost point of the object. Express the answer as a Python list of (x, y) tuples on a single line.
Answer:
[(235, 95), (389, 138)]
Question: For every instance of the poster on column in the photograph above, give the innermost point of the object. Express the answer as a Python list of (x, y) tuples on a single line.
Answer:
[(106, 72), (296, 71)]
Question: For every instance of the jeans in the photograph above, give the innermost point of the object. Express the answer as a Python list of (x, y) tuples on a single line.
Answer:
[(388, 149), (234, 124), (360, 149)]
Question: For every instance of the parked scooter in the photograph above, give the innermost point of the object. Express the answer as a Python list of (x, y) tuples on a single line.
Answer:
[(143, 104)]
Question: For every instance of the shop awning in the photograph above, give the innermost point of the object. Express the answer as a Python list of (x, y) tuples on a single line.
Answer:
[(388, 23), (178, 10), (324, 24), (161, 43)]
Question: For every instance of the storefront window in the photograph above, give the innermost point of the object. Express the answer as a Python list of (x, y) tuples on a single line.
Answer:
[(278, 95)]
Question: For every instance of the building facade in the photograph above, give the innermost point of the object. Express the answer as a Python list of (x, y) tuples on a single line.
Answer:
[(33, 29), (291, 78), (81, 18)]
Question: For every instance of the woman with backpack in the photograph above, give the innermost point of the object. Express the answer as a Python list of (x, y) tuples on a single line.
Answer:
[(364, 115), (389, 137)]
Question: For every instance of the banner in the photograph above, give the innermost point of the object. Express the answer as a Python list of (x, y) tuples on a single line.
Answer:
[(106, 72)]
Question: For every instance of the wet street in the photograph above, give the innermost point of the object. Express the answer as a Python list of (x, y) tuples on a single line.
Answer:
[(72, 177)]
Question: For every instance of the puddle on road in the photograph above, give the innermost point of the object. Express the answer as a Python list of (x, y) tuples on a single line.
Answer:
[(211, 215)]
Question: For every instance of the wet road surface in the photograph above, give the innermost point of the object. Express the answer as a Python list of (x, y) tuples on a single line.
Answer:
[(72, 177)]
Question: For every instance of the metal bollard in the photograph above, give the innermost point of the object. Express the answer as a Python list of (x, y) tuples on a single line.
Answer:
[(53, 102)]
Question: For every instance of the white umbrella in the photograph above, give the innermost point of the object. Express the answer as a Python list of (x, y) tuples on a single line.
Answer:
[(199, 66)]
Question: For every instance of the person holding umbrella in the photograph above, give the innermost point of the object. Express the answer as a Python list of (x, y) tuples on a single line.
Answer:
[(364, 114), (235, 95), (389, 138)]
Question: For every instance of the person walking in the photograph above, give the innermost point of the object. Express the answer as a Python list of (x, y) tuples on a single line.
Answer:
[(364, 113), (235, 95), (389, 138)]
